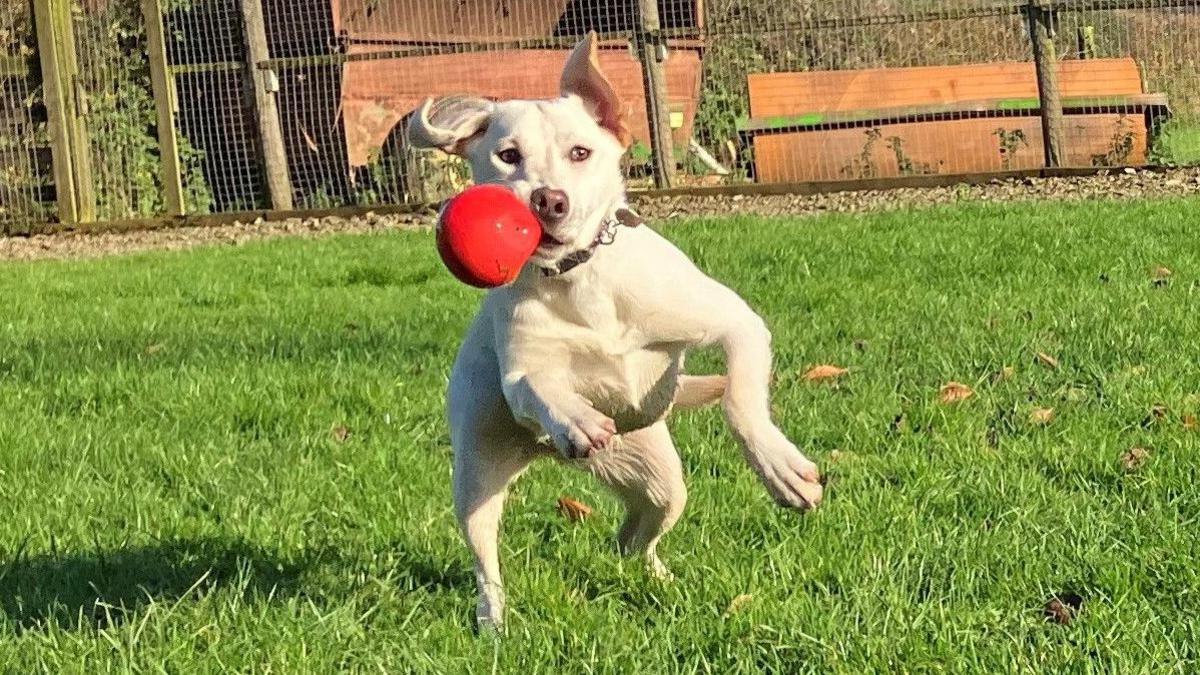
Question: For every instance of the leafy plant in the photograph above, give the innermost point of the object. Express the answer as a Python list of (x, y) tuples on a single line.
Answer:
[(863, 166), (120, 117), (1120, 145), (1010, 143)]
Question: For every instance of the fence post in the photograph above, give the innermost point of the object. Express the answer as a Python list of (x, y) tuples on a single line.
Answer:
[(652, 52), (263, 85), (81, 151), (162, 82), (56, 112), (68, 147), (1045, 58)]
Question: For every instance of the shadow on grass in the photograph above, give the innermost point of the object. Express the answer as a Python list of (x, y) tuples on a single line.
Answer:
[(104, 588)]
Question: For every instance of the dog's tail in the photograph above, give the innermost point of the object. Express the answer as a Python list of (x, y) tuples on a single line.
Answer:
[(697, 391)]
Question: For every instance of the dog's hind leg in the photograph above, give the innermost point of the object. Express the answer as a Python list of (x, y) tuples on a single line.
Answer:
[(645, 471), (482, 474), (490, 450)]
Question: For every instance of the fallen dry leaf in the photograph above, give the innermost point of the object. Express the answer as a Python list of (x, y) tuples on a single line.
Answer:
[(1190, 423), (953, 392), (573, 510), (819, 373), (1004, 374), (1042, 416), (340, 433), (737, 604), (1062, 609), (1134, 458), (1048, 361)]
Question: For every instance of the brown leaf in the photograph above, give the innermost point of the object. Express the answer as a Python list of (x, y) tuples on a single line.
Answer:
[(341, 434), (1004, 374), (1190, 423), (573, 510), (1046, 360), (953, 392), (737, 604), (1062, 609), (819, 373), (1134, 459), (1042, 416)]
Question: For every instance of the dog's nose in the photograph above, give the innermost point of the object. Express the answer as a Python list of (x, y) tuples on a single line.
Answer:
[(551, 206)]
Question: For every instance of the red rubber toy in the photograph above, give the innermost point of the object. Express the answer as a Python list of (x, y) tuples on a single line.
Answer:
[(486, 234)]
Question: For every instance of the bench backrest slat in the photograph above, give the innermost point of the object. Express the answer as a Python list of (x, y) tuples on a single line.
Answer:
[(773, 94)]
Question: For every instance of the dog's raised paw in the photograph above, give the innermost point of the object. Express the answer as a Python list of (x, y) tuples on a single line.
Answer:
[(793, 481), (586, 433)]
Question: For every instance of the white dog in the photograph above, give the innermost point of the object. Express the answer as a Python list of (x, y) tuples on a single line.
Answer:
[(584, 352)]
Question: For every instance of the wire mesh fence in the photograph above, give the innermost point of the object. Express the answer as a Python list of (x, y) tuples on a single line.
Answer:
[(114, 109)]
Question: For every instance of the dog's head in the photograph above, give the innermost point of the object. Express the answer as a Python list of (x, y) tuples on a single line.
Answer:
[(561, 155)]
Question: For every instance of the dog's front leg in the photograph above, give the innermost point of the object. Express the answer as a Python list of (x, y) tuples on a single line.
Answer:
[(704, 312), (545, 399)]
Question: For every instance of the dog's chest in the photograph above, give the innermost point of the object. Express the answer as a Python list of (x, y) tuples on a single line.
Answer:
[(615, 365)]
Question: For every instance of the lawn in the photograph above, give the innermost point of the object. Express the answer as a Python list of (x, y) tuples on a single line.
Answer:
[(235, 459)]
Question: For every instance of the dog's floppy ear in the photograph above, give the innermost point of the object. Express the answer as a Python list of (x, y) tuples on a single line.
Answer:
[(582, 77), (448, 123)]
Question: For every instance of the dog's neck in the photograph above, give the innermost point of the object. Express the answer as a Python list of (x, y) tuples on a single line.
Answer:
[(622, 216)]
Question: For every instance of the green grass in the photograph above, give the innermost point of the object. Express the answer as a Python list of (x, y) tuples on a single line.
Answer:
[(175, 497), (1178, 144)]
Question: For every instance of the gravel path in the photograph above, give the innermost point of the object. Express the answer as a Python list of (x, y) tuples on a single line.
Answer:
[(1122, 185)]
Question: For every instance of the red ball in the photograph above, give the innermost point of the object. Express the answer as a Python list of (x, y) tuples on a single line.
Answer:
[(486, 234)]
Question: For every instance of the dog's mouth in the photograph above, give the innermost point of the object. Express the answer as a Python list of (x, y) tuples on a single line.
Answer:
[(549, 242)]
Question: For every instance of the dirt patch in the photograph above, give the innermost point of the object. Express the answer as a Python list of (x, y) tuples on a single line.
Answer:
[(1119, 185)]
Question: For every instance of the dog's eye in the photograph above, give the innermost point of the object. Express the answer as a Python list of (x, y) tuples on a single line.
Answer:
[(509, 156), (580, 153)]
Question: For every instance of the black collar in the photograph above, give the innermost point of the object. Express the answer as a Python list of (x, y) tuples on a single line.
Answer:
[(606, 236)]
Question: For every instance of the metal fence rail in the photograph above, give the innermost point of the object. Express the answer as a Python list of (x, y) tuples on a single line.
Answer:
[(114, 109)]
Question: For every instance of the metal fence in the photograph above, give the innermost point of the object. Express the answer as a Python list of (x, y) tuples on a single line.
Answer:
[(114, 109)]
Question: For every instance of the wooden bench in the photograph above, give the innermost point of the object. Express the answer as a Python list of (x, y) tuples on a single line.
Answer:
[(858, 124)]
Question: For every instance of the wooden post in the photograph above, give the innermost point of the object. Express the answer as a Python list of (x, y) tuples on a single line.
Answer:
[(162, 82), (1045, 57), (57, 103), (652, 52), (262, 85)]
